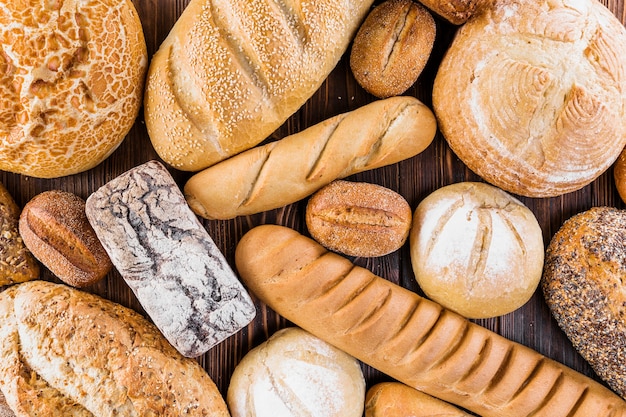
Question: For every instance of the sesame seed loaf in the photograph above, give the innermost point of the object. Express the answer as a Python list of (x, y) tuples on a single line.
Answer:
[(583, 284), (65, 352), (231, 72)]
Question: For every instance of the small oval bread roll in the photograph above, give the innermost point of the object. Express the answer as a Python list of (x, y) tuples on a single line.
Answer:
[(394, 399), (392, 46), (296, 374), (476, 250), (583, 284), (72, 83), (530, 95)]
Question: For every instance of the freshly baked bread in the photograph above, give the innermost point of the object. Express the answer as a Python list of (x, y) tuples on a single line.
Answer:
[(55, 228), (72, 84), (394, 399), (358, 218), (230, 73), (282, 172), (476, 250), (456, 12), (64, 352), (17, 264), (584, 288), (5, 410), (392, 46), (619, 175), (530, 95), (409, 338), (296, 374)]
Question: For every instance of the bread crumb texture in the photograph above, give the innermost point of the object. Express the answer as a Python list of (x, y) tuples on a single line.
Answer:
[(530, 95), (67, 352), (71, 85), (583, 284)]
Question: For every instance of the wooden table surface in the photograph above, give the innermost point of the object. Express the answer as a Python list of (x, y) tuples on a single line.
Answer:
[(531, 325)]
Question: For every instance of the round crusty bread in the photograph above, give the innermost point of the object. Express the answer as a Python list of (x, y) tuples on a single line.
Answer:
[(583, 284), (530, 95), (476, 249), (72, 83), (296, 374)]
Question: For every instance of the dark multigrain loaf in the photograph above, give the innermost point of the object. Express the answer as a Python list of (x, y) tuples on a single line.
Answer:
[(583, 283)]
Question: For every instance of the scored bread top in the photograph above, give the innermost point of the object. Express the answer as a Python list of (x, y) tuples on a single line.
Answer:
[(530, 95), (230, 73), (72, 83)]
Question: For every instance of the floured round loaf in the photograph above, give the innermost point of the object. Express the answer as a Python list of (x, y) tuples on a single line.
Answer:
[(72, 83), (296, 374), (530, 95), (231, 72), (583, 284), (476, 249)]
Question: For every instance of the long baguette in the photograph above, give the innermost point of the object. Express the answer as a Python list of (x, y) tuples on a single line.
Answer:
[(283, 172), (410, 338)]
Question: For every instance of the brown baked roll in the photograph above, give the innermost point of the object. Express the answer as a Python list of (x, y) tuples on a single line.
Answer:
[(55, 228), (17, 263), (392, 47), (583, 284), (294, 373), (65, 352), (476, 249), (619, 175), (530, 95), (71, 87)]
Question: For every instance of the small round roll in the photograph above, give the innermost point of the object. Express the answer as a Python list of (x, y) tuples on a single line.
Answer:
[(296, 374), (394, 399), (476, 249)]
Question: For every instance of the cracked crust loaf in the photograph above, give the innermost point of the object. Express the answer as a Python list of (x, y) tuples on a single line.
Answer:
[(72, 83), (530, 95), (583, 284), (66, 352), (231, 72)]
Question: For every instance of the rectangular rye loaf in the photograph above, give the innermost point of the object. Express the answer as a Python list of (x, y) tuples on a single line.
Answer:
[(168, 259)]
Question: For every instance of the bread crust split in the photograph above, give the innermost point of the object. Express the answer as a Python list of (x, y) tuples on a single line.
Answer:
[(67, 352), (282, 172), (72, 85), (231, 72), (409, 338)]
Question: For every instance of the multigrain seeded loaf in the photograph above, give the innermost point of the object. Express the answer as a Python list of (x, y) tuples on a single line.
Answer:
[(409, 338), (583, 284), (64, 352), (231, 72), (168, 259)]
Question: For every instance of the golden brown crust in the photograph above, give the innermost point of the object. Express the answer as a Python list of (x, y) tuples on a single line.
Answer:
[(72, 87), (455, 11), (476, 250), (17, 264), (55, 228), (409, 338), (67, 352), (229, 74), (392, 46), (530, 94), (358, 218), (394, 399), (584, 288), (619, 175)]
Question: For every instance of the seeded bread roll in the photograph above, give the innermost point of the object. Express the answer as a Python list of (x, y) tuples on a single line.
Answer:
[(583, 284), (72, 83), (296, 374), (231, 72), (530, 95), (65, 352)]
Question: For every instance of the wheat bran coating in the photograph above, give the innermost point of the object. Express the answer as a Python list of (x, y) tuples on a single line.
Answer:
[(583, 284)]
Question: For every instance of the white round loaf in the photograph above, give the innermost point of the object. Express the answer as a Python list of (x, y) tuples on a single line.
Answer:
[(476, 250), (295, 374)]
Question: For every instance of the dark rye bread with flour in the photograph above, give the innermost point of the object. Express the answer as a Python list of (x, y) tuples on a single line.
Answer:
[(409, 338), (65, 352), (583, 284), (168, 259)]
